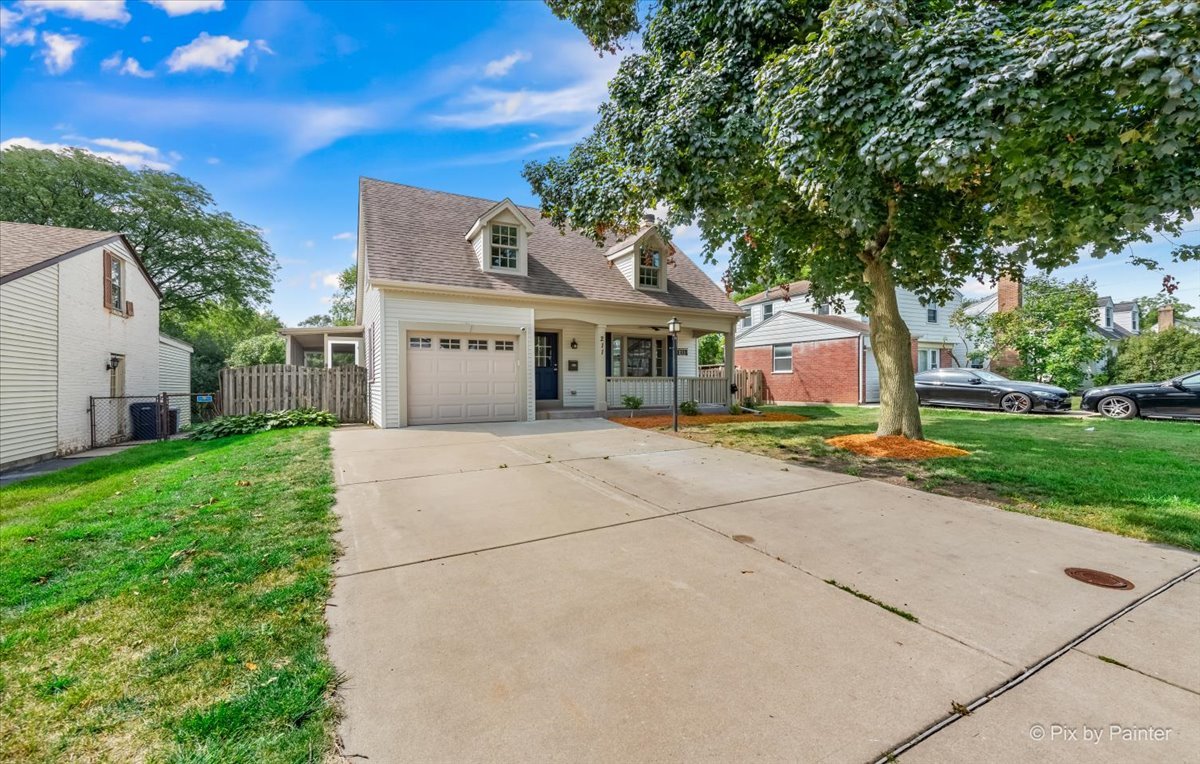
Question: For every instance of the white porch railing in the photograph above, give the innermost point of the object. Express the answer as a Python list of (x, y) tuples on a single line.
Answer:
[(656, 391)]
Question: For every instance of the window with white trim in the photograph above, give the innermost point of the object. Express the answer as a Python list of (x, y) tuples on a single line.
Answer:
[(450, 343), (420, 343), (505, 247), (746, 322), (931, 315), (781, 358), (506, 346), (768, 310), (477, 344), (928, 358), (117, 283), (650, 269)]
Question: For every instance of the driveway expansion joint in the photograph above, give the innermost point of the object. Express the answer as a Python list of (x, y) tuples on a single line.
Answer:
[(1072, 646)]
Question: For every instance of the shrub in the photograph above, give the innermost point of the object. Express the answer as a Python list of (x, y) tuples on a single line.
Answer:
[(631, 401), (689, 408), (263, 348), (1155, 356), (735, 409), (245, 424)]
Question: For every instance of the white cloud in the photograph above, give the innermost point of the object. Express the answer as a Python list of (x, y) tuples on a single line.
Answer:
[(133, 159), (212, 160), (112, 62), (261, 45), (59, 51), (310, 243), (134, 69), (8, 18), (88, 10), (207, 52), (146, 38), (20, 37), (318, 279), (503, 66), (185, 7), (343, 236), (133, 147)]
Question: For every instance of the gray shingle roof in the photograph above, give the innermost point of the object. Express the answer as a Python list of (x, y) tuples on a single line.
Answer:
[(417, 235), (24, 246), (841, 322), (795, 289)]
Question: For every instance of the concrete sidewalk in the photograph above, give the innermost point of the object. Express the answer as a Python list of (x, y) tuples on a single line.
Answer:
[(63, 462), (578, 590)]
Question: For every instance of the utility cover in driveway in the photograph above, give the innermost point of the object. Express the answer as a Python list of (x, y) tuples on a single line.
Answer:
[(456, 378)]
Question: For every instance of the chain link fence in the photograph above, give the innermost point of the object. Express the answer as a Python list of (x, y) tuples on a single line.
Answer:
[(126, 418)]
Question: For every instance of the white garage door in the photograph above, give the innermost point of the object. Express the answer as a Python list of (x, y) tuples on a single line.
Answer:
[(462, 378)]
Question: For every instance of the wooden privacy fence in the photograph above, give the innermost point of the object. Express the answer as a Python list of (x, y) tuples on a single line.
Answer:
[(750, 384), (341, 390)]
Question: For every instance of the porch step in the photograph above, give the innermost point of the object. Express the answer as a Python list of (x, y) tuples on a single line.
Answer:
[(569, 414)]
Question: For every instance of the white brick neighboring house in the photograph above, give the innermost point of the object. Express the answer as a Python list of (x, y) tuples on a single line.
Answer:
[(473, 310), (78, 318)]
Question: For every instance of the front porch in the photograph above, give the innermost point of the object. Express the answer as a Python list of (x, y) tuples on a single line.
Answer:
[(579, 366)]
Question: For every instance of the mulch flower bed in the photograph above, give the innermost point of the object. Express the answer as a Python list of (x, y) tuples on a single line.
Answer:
[(895, 447), (664, 420)]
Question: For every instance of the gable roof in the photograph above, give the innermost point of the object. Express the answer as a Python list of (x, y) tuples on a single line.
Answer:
[(795, 289), (416, 235), (857, 326), (792, 326), (1122, 307), (26, 248)]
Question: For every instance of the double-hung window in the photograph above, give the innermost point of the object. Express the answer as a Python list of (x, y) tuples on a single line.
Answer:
[(781, 358), (931, 315), (768, 310), (504, 247), (650, 269)]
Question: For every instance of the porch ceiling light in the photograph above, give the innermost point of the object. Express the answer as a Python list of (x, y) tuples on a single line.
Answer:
[(673, 326)]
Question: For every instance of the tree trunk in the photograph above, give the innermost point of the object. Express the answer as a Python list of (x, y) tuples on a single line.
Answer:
[(899, 413)]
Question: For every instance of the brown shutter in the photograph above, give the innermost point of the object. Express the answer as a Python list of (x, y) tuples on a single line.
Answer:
[(128, 308), (108, 280)]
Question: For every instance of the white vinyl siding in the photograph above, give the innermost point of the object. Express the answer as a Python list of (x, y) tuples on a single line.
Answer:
[(687, 362), (791, 328), (29, 366), (174, 368), (373, 320), (578, 387), (872, 378), (625, 265)]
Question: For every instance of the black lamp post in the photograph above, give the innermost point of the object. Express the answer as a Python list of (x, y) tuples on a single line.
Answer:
[(673, 330)]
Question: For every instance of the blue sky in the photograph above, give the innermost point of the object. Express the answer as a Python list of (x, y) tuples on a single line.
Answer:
[(278, 107)]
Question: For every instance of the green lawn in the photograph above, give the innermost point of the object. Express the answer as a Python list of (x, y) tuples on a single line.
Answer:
[(167, 604), (1136, 478)]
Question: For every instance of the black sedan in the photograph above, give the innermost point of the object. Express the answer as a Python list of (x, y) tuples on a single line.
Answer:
[(979, 389), (1177, 398)]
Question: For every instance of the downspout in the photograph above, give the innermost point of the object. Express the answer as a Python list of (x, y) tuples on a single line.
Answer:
[(862, 371)]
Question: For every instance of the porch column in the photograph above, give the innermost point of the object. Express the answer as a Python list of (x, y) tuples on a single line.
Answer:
[(601, 378), (729, 364), (289, 344)]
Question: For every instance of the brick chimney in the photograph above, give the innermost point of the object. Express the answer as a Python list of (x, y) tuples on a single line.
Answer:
[(1166, 317), (1008, 294)]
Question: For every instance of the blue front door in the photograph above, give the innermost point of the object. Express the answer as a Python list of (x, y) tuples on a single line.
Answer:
[(545, 363)]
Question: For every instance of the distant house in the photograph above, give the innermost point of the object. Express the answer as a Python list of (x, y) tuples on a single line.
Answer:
[(78, 318), (477, 310), (820, 353)]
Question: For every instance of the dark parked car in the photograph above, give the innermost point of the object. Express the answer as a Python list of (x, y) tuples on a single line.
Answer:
[(979, 389), (1177, 398)]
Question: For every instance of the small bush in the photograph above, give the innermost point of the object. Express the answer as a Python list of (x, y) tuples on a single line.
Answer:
[(735, 409), (689, 408), (631, 401), (245, 424)]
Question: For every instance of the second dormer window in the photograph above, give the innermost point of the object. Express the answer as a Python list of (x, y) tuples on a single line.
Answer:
[(504, 247), (650, 269)]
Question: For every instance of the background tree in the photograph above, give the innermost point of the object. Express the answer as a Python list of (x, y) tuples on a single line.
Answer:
[(319, 319), (1148, 308), (252, 351), (880, 143), (213, 335), (1154, 356), (341, 309), (1053, 331), (712, 349), (196, 253)]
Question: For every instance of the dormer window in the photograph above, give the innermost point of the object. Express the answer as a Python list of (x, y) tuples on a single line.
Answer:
[(505, 252), (650, 269), (1108, 316)]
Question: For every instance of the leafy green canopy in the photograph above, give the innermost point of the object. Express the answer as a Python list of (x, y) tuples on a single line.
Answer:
[(949, 140), (1154, 356), (1053, 332), (260, 349), (213, 334), (196, 254)]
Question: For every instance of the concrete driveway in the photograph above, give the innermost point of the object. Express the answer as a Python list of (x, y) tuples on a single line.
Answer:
[(580, 591)]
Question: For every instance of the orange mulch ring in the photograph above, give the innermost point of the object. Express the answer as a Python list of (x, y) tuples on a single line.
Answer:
[(664, 420), (895, 447)]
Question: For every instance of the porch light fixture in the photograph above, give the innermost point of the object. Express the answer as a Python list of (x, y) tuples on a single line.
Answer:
[(673, 358), (113, 362), (574, 344)]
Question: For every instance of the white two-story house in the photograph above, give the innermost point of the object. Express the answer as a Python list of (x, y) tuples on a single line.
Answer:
[(812, 352), (476, 310)]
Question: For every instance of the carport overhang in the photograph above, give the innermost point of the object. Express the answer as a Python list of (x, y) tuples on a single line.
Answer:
[(301, 340)]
